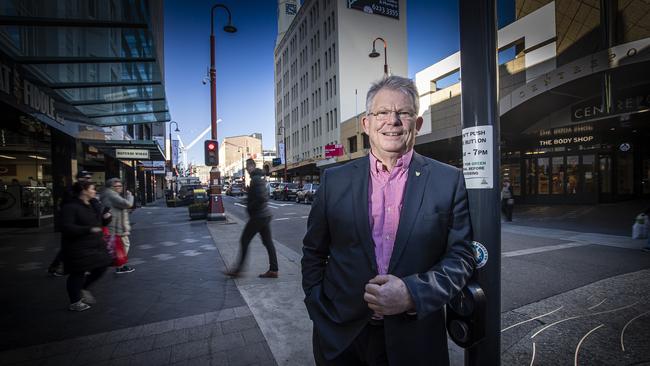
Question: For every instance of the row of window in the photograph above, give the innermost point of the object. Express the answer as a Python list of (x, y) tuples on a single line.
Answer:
[(332, 120), (352, 143), (330, 88), (330, 56)]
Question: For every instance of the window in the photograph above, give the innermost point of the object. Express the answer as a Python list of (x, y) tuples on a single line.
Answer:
[(334, 84), (352, 144), (366, 141), (326, 86)]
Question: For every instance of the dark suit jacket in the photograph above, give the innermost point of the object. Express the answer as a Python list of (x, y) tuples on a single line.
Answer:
[(432, 255)]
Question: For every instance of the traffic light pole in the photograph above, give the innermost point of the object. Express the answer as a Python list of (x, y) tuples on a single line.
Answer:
[(216, 209), (481, 154)]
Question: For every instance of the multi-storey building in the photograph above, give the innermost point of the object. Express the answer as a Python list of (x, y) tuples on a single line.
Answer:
[(322, 72), (81, 87), (573, 102)]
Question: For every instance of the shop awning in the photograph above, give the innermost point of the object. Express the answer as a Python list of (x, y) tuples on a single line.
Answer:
[(113, 147), (103, 61)]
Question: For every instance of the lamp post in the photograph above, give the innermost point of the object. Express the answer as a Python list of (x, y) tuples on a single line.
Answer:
[(243, 168), (216, 204), (281, 132), (171, 155), (374, 53)]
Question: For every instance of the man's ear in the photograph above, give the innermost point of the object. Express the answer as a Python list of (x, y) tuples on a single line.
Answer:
[(365, 123), (418, 123)]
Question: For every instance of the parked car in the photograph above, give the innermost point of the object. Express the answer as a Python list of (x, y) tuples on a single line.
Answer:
[(185, 195), (235, 190), (306, 194), (286, 191), (271, 186)]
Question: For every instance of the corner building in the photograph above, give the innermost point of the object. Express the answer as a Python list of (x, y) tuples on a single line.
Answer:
[(573, 100), (322, 72)]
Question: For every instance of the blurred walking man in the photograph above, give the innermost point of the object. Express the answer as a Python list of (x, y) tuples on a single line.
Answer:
[(259, 222)]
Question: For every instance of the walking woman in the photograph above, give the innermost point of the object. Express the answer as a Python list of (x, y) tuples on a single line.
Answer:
[(112, 198), (84, 249)]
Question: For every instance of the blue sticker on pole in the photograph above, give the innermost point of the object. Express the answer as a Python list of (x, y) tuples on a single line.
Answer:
[(480, 254)]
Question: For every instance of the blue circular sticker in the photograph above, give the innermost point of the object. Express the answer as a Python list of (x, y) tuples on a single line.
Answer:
[(480, 254)]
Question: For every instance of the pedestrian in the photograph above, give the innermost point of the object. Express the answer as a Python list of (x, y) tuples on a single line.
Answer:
[(84, 249), (387, 244), (56, 267), (507, 200), (259, 222), (120, 225)]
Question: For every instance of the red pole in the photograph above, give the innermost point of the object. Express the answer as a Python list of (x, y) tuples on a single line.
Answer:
[(213, 89)]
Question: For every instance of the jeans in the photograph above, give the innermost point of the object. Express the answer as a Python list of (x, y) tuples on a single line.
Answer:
[(256, 225), (78, 281)]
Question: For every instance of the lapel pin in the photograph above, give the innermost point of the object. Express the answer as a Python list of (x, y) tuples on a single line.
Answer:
[(417, 174)]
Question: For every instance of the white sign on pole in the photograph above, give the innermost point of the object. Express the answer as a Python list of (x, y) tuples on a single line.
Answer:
[(133, 154), (477, 157), (281, 151)]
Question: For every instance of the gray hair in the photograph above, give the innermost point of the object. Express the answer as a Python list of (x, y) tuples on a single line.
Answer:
[(112, 181), (397, 83)]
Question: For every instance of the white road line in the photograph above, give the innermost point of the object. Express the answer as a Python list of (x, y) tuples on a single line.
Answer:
[(304, 217), (582, 316), (548, 248), (597, 305), (575, 358), (530, 320), (239, 204), (628, 323), (290, 213), (532, 360), (281, 219)]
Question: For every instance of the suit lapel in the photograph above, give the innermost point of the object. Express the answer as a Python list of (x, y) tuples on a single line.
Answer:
[(361, 215), (413, 194)]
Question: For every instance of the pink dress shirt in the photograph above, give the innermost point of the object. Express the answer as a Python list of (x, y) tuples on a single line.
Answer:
[(385, 196)]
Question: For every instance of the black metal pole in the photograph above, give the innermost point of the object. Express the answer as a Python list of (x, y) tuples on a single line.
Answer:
[(481, 154)]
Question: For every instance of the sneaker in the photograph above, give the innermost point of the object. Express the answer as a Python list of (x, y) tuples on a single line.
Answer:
[(269, 274), (55, 273), (79, 306), (124, 269), (87, 297)]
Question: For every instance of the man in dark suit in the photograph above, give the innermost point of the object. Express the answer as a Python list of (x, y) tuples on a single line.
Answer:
[(387, 244)]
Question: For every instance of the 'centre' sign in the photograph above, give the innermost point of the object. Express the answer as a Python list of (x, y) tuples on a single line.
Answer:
[(133, 154)]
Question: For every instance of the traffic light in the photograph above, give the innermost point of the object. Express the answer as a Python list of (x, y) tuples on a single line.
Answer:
[(211, 148)]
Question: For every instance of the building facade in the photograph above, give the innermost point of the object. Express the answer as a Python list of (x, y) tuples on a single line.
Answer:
[(81, 88), (322, 73), (573, 102), (233, 153)]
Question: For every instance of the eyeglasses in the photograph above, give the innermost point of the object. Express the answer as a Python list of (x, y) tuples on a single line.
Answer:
[(384, 115)]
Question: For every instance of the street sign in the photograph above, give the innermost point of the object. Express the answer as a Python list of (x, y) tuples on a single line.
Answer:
[(276, 161), (132, 154)]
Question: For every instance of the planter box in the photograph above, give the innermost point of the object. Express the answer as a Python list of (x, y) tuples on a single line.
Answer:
[(198, 211)]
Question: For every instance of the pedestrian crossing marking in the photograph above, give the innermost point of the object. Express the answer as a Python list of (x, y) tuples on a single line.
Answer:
[(191, 253), (190, 240), (145, 246), (169, 243), (164, 257)]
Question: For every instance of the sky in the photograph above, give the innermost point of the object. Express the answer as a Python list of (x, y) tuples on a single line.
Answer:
[(245, 62)]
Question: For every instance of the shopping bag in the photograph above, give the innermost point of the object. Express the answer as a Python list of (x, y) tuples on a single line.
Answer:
[(115, 248)]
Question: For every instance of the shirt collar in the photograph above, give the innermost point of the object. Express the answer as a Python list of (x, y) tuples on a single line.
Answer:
[(403, 163)]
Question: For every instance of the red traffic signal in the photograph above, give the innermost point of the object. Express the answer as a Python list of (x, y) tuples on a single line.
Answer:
[(211, 148)]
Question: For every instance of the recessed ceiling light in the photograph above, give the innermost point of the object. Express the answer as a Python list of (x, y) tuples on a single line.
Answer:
[(37, 157), (7, 157)]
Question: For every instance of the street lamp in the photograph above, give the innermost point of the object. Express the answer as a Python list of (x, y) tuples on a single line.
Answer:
[(281, 132), (171, 159), (374, 54), (218, 211)]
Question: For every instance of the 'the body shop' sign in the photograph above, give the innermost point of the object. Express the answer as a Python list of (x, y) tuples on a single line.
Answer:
[(333, 150)]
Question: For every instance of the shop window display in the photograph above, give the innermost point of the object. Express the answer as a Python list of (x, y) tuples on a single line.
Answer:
[(542, 176)]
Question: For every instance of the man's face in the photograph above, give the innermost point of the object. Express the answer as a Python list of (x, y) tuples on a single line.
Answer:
[(250, 168), (117, 187), (391, 135)]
